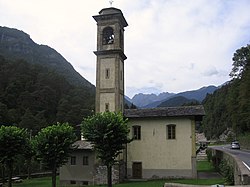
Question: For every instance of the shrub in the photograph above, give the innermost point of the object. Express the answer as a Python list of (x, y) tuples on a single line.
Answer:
[(227, 171), (209, 154)]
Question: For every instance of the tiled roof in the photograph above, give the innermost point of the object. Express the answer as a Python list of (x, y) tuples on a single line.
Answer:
[(197, 110), (82, 144)]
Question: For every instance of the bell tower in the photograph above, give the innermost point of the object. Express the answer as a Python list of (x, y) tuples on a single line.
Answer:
[(110, 60)]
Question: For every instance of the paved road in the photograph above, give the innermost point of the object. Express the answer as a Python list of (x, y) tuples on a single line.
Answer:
[(243, 155)]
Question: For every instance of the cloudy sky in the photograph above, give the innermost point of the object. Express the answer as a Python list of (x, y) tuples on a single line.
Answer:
[(171, 45)]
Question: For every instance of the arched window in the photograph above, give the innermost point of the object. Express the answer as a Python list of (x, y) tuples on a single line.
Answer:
[(108, 35)]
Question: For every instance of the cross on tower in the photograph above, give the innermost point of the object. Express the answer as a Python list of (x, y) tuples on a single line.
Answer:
[(111, 2)]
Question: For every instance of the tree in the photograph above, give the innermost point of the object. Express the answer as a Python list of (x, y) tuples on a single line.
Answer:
[(3, 114), (13, 143), (133, 106), (241, 62), (126, 106), (108, 132), (33, 96), (228, 107), (53, 145), (29, 121), (29, 154)]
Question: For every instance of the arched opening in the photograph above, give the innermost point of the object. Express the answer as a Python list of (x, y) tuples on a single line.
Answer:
[(108, 36)]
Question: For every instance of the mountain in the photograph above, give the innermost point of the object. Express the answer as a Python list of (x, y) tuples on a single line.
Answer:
[(177, 101), (38, 87), (142, 100), (198, 95), (15, 44)]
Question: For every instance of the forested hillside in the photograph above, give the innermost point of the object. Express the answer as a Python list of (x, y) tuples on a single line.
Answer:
[(229, 106), (178, 101), (33, 96), (38, 86), (16, 44)]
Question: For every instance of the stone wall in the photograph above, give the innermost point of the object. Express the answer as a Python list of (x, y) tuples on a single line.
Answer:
[(118, 174), (241, 173), (101, 175)]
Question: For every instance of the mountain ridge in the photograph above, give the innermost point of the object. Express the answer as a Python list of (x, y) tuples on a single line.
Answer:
[(198, 95), (38, 86), (177, 101), (16, 44), (141, 99)]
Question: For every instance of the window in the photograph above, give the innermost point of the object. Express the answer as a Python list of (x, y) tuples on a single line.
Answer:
[(85, 160), (171, 131), (85, 183), (108, 36), (73, 160), (106, 107), (107, 73), (72, 182), (137, 132)]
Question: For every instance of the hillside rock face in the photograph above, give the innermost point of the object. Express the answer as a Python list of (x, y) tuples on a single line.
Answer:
[(15, 44)]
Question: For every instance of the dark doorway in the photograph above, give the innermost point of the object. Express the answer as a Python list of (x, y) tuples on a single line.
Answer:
[(137, 170)]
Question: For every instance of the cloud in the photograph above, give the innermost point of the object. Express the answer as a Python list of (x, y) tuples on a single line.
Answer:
[(171, 45), (204, 32), (211, 71)]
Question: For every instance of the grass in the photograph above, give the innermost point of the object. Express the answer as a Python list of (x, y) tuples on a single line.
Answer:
[(205, 166), (160, 183), (36, 182), (202, 166), (46, 182)]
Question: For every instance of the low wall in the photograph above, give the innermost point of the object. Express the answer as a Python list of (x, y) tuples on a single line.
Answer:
[(241, 173)]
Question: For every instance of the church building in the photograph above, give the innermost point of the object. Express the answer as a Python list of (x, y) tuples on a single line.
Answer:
[(164, 138)]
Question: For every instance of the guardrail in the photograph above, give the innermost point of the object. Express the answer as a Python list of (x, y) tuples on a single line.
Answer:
[(241, 172)]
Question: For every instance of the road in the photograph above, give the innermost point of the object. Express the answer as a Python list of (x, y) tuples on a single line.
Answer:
[(243, 155)]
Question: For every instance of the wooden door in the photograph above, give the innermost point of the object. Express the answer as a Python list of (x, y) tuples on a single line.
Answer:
[(137, 170)]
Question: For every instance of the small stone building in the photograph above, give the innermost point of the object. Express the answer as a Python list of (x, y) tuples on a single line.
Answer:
[(80, 169), (83, 168)]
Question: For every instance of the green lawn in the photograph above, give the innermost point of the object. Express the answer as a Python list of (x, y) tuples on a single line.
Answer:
[(160, 183), (205, 166), (46, 182), (36, 182), (201, 166)]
